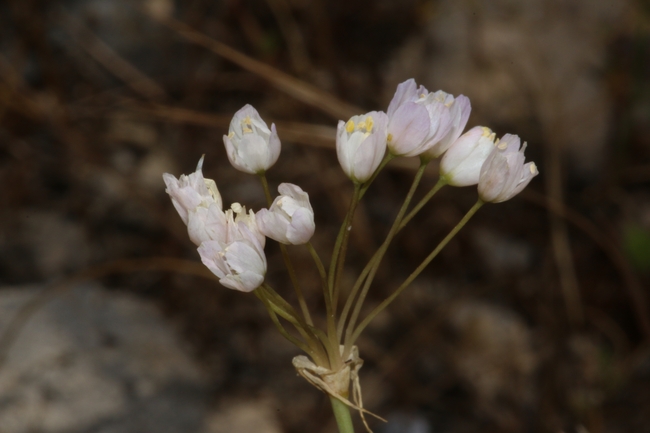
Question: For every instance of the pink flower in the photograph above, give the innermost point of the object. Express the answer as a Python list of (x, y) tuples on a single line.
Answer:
[(230, 243), (504, 173), (197, 201), (361, 144), (422, 122), (251, 146), (240, 265), (461, 164), (290, 220)]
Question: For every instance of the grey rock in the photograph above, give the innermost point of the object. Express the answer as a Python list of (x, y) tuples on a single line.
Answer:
[(97, 361)]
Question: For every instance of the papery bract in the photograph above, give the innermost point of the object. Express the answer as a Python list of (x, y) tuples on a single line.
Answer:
[(251, 146), (361, 144), (290, 219), (424, 122), (461, 164), (504, 173)]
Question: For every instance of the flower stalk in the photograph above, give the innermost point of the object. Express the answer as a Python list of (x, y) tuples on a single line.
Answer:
[(416, 272), (340, 249), (378, 257)]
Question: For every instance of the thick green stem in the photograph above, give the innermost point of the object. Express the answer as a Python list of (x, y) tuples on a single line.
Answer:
[(342, 415), (414, 274)]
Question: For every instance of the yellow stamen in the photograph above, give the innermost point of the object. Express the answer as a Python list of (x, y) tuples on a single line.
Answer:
[(349, 127), (369, 123), (246, 125), (390, 138), (440, 97), (533, 168), (231, 134)]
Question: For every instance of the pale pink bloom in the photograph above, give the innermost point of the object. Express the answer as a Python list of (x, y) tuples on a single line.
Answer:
[(459, 110), (240, 265), (290, 219), (504, 173), (240, 225), (196, 199), (461, 164), (424, 123), (361, 144), (251, 146), (214, 224)]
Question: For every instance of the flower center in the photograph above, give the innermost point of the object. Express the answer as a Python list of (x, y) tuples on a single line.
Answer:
[(247, 125), (365, 126)]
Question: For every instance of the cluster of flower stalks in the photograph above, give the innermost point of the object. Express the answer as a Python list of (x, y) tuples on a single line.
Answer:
[(231, 242)]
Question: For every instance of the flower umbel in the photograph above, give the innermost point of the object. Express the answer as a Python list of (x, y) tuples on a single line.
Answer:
[(361, 144), (290, 219), (504, 174), (251, 146), (231, 243)]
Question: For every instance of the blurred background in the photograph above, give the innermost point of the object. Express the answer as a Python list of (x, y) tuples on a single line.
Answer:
[(534, 319)]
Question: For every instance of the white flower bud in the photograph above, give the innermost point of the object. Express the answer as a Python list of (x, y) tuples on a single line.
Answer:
[(251, 146), (461, 164), (361, 144), (504, 173), (290, 219)]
